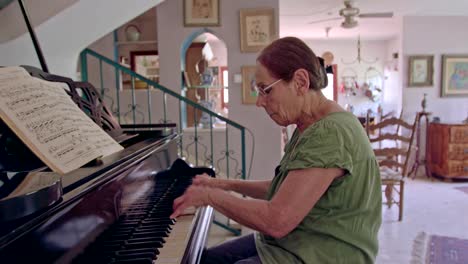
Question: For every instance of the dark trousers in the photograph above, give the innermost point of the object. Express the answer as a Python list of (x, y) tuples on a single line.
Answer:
[(237, 251)]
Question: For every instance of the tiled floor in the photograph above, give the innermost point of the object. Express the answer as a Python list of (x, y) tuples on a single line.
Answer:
[(433, 207)]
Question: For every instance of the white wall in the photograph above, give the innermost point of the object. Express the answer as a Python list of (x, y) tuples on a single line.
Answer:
[(434, 36), (346, 50), (393, 92), (171, 35), (63, 36)]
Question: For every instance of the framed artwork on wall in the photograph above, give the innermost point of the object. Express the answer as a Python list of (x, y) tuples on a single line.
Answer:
[(249, 94), (257, 28), (454, 75), (420, 70), (201, 13)]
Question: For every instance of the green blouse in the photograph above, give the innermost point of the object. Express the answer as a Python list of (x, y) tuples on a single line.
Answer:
[(342, 227)]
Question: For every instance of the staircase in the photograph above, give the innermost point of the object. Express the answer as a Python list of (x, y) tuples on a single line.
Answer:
[(227, 161)]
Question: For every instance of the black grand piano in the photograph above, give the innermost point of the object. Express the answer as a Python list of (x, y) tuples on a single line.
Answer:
[(114, 210)]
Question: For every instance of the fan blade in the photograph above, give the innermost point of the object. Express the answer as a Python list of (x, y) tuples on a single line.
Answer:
[(325, 20), (376, 15)]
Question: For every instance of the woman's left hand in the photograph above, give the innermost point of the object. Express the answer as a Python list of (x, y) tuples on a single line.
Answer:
[(194, 196)]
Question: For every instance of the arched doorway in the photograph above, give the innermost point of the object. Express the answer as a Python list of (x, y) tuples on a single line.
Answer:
[(205, 76)]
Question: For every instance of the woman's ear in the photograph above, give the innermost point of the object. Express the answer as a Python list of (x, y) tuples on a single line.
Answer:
[(301, 81)]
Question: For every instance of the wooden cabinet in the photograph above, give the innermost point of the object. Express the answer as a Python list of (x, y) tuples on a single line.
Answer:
[(447, 150)]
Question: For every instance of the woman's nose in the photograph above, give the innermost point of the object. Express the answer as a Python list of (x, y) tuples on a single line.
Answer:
[(260, 101)]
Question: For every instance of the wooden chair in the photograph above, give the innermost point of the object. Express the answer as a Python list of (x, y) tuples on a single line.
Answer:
[(394, 150), (382, 116)]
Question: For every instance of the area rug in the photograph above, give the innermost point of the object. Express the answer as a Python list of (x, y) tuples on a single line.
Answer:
[(463, 189), (434, 249)]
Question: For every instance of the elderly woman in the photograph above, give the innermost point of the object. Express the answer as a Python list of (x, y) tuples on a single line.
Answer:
[(323, 204)]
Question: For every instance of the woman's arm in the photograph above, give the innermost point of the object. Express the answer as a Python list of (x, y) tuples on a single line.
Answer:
[(295, 198), (254, 189)]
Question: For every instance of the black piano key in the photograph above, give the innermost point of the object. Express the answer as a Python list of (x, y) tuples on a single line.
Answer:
[(145, 255), (153, 244), (134, 261), (157, 218), (150, 234), (136, 251), (146, 239), (149, 228), (93, 259), (111, 247), (152, 221), (126, 242), (128, 222)]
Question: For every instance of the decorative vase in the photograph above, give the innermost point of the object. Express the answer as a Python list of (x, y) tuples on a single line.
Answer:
[(205, 118), (424, 103), (132, 33)]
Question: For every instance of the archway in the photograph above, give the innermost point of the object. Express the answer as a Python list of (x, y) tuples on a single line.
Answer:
[(205, 75)]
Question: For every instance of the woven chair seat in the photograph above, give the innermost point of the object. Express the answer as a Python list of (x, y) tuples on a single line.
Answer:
[(389, 174)]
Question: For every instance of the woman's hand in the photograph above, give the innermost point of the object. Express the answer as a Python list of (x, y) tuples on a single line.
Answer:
[(204, 180), (194, 196)]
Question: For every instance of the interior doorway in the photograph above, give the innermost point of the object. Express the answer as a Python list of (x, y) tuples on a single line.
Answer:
[(206, 78)]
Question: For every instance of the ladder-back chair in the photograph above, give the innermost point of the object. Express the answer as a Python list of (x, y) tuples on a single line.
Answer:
[(394, 151)]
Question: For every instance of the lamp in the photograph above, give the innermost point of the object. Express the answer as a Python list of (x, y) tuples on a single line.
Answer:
[(359, 58)]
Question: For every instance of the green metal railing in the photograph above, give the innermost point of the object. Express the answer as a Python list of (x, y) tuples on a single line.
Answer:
[(135, 76), (134, 110)]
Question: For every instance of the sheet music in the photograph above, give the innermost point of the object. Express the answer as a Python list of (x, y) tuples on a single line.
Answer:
[(13, 73), (44, 116)]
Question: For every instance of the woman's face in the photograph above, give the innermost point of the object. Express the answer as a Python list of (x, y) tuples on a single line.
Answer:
[(280, 100)]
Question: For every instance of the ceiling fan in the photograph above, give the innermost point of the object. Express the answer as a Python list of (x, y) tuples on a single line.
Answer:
[(350, 12)]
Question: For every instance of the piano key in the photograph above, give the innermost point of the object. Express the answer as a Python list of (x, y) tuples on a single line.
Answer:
[(136, 251), (176, 243), (134, 261)]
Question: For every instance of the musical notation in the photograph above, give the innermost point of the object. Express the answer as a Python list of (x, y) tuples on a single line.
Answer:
[(46, 118)]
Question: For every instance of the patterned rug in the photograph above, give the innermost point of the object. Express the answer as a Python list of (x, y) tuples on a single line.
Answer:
[(463, 189), (433, 249)]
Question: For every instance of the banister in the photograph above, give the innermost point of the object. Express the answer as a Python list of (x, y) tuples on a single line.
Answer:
[(155, 84)]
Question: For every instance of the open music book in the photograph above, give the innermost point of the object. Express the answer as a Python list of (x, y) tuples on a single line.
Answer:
[(47, 120)]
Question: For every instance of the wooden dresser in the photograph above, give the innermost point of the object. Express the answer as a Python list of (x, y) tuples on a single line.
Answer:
[(447, 150)]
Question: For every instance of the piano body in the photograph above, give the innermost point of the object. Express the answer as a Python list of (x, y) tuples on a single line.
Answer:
[(113, 211)]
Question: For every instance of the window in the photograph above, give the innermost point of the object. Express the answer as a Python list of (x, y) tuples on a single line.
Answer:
[(225, 96)]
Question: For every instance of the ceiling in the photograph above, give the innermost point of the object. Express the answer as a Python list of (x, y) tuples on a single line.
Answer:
[(295, 16)]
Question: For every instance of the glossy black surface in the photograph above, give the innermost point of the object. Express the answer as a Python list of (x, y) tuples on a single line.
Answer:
[(76, 183), (116, 221)]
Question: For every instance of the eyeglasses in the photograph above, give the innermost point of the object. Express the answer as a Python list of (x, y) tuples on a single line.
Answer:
[(265, 90)]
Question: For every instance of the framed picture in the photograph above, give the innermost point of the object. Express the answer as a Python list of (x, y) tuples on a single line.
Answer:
[(454, 75), (257, 28), (145, 63), (249, 94), (201, 13), (420, 70)]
